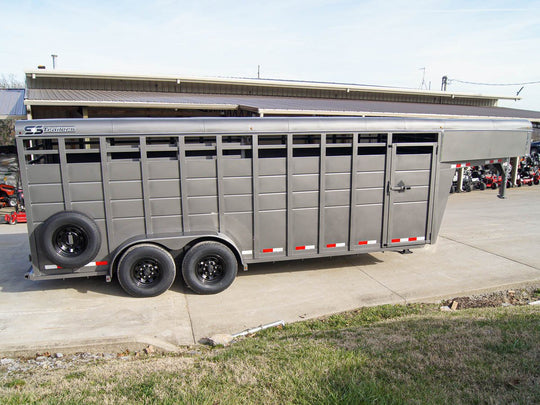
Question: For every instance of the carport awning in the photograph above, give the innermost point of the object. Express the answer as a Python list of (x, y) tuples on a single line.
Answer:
[(264, 105)]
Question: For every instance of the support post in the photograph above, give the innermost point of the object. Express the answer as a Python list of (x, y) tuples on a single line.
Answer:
[(460, 180), (501, 168), (513, 176)]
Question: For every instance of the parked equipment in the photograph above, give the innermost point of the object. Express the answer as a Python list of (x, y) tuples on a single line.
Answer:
[(144, 199), (8, 195), (15, 217)]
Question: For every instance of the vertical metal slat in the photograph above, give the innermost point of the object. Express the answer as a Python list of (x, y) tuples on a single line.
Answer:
[(219, 183), (387, 200), (289, 169), (145, 186), (64, 173), (183, 183), (352, 208), (255, 180), (105, 180), (322, 194)]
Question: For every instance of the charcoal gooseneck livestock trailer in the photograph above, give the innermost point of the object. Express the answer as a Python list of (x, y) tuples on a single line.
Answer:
[(143, 198)]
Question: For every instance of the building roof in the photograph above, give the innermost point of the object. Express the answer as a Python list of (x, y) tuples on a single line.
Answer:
[(264, 105), (12, 103), (48, 79)]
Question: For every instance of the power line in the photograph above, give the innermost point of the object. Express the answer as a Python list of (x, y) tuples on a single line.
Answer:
[(494, 84)]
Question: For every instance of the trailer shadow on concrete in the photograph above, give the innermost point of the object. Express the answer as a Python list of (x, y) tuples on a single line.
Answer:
[(14, 250), (326, 263)]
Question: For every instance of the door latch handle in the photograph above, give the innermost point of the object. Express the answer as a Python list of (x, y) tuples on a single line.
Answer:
[(400, 188)]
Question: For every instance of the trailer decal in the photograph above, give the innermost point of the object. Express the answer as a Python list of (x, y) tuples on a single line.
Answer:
[(272, 250), (458, 165), (367, 242), (91, 264), (306, 247), (335, 245), (490, 162), (412, 239)]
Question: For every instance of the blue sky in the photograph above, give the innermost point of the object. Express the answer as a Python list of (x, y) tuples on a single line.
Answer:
[(366, 42)]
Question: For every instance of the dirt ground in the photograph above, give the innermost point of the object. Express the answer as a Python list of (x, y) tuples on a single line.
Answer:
[(495, 299)]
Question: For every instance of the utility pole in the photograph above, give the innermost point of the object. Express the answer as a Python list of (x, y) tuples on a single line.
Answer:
[(423, 85), (258, 71), (444, 83), (53, 56)]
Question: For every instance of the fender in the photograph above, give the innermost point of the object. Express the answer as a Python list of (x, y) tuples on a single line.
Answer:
[(176, 242)]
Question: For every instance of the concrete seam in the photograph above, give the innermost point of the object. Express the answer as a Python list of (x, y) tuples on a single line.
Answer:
[(378, 282), (489, 252), (189, 315)]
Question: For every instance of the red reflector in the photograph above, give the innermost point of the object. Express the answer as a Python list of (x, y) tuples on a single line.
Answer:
[(268, 250), (363, 242), (101, 263), (300, 248), (395, 240), (412, 239), (331, 245)]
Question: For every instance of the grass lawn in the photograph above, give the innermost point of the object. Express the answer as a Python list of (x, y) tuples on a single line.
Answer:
[(387, 354)]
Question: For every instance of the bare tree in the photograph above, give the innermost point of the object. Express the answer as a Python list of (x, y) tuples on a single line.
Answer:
[(10, 82)]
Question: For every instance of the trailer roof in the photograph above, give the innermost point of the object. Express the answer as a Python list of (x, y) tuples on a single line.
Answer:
[(107, 126)]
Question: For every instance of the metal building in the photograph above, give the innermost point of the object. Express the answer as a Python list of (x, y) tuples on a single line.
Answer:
[(56, 94)]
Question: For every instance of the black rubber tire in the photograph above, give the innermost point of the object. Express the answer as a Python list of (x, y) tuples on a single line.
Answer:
[(214, 255), (483, 186), (146, 270), (83, 239), (12, 202), (494, 186)]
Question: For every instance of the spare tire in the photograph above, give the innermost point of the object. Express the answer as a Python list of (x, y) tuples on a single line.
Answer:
[(70, 239)]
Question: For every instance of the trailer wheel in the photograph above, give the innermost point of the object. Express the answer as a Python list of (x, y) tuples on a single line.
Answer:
[(494, 186), (12, 202), (146, 270), (209, 267), (12, 218), (70, 239)]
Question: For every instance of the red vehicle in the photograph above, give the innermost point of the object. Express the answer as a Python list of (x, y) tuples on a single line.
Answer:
[(15, 217), (536, 176), (526, 174), (8, 195)]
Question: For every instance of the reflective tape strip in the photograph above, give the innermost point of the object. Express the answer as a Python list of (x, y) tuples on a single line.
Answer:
[(367, 242), (335, 245), (458, 165), (273, 250), (488, 162), (306, 247), (247, 252), (91, 264), (412, 239)]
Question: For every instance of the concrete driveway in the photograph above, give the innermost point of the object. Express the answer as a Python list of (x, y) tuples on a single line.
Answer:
[(485, 244)]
